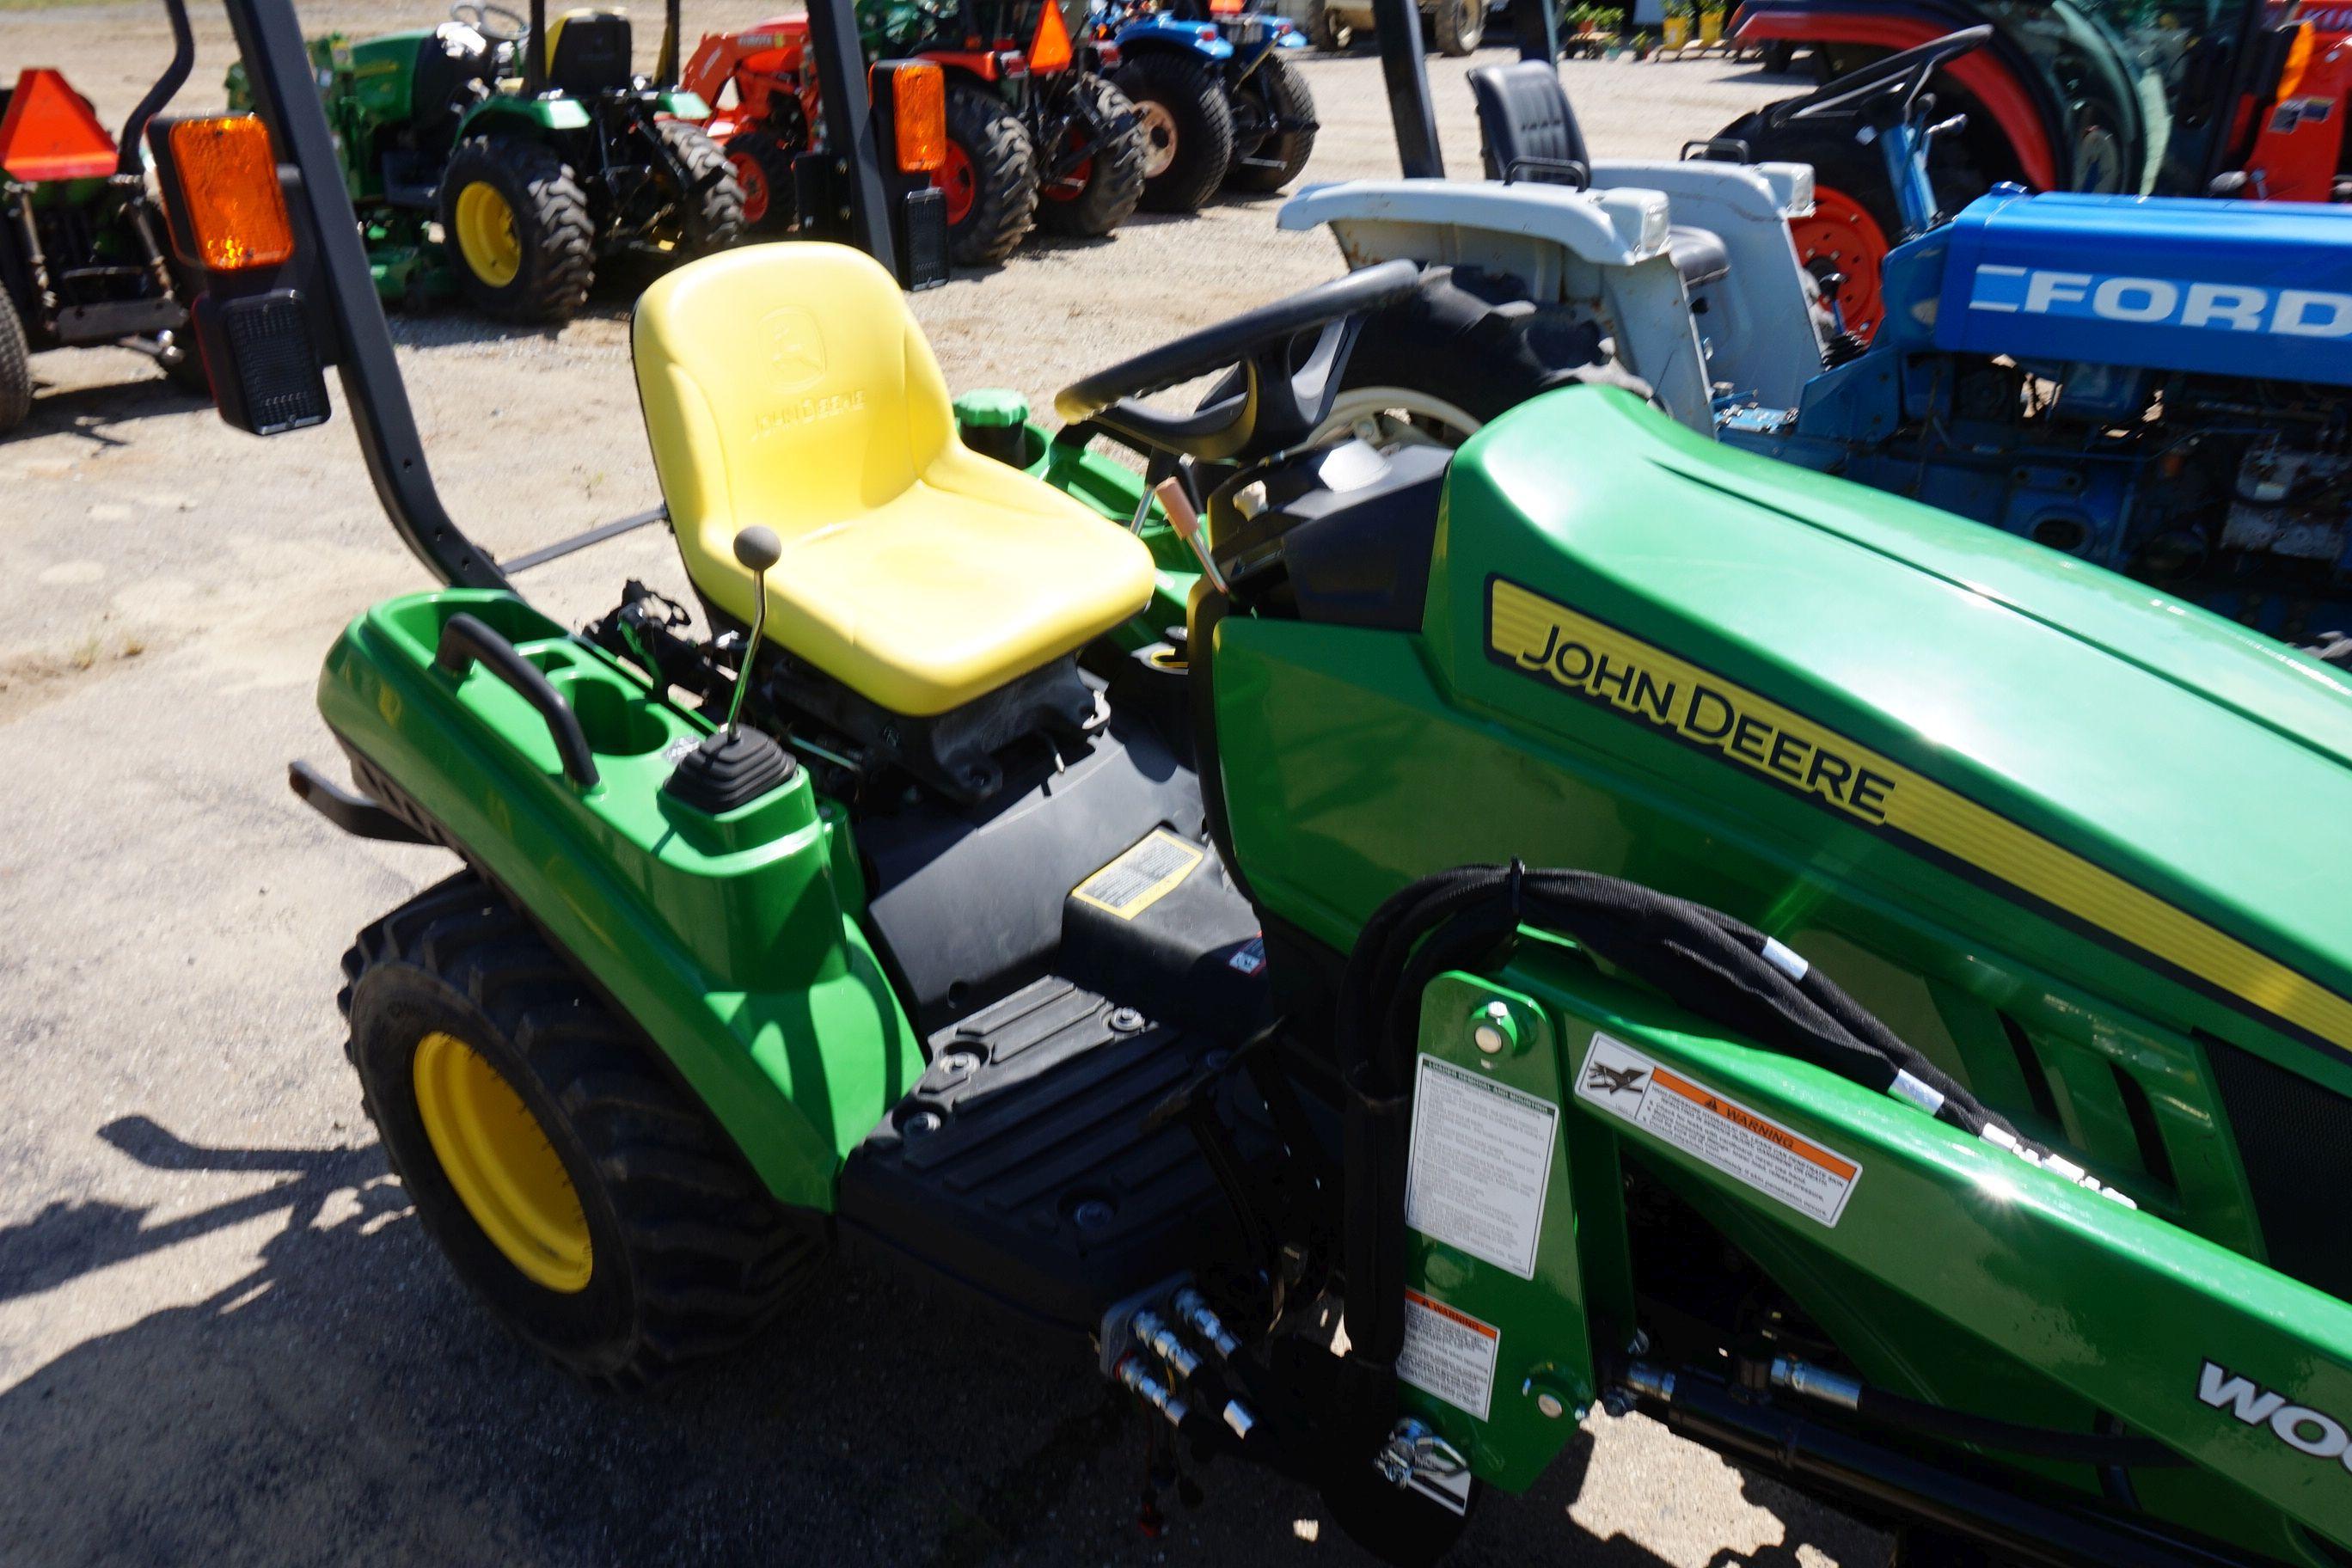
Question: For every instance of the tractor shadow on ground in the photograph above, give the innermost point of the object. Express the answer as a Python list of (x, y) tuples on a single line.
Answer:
[(342, 1401), (1796, 80), (93, 412)]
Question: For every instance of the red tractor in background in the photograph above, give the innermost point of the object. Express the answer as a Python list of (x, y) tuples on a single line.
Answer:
[(1031, 133), (2226, 98), (766, 120)]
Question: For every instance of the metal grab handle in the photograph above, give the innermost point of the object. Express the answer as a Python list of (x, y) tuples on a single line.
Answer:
[(465, 641)]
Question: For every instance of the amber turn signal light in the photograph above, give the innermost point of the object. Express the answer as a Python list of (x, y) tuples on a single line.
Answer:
[(918, 118), (229, 194)]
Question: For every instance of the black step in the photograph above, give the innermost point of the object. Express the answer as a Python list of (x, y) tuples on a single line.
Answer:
[(1020, 1165)]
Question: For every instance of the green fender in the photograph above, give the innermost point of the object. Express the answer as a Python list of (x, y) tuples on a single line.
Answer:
[(682, 105), (494, 116), (732, 941)]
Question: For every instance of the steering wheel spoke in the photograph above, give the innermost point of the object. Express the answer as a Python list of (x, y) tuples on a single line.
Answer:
[(1271, 398)]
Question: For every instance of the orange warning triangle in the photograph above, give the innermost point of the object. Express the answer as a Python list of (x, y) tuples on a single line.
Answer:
[(51, 134), (1050, 51)]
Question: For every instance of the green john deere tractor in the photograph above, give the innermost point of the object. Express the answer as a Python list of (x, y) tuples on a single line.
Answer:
[(1396, 946), (531, 163)]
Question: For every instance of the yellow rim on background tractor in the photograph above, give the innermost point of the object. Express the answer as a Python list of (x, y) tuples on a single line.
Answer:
[(486, 235), (498, 1159)]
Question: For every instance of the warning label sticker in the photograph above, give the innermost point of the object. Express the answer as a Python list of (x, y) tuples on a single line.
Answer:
[(1738, 1142), (1449, 1354), (1142, 877), (1482, 1159)]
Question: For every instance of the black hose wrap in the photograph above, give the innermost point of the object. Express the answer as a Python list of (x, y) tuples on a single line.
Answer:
[(2103, 1449), (1468, 917)]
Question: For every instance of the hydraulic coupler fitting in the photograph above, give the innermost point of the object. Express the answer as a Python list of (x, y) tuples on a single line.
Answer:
[(1151, 1391), (1810, 1382), (1153, 1333), (1192, 1308), (1649, 1382)]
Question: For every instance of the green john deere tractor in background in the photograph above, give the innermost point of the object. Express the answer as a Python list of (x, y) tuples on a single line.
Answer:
[(1396, 946), (531, 163)]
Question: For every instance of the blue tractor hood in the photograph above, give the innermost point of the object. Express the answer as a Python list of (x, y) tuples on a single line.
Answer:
[(2260, 290)]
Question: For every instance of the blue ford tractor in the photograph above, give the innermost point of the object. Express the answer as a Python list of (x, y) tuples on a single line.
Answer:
[(1220, 104), (2154, 385)]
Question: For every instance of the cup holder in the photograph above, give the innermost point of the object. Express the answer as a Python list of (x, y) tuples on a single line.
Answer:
[(617, 723)]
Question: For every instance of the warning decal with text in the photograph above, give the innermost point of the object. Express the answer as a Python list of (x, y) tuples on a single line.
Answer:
[(1141, 878), (1482, 1159), (1449, 1354), (1727, 1135)]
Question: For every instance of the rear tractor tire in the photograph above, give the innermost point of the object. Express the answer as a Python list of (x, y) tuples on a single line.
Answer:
[(518, 230), (1101, 191), (1188, 128), (990, 178), (592, 1205), (1333, 34), (709, 211), (1437, 367), (1459, 26), (15, 367), (764, 171), (1276, 93)]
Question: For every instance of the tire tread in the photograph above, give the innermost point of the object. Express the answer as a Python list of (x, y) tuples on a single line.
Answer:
[(711, 1256)]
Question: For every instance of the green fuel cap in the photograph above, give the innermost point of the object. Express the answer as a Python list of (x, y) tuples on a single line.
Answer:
[(992, 408)]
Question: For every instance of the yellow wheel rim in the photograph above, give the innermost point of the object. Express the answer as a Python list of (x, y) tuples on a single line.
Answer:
[(486, 235), (499, 1158)]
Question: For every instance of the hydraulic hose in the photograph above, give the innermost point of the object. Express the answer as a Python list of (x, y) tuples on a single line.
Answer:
[(1878, 1408), (1701, 959), (1893, 1410)]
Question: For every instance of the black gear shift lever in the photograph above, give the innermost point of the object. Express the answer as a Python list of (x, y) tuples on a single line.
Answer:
[(734, 768)]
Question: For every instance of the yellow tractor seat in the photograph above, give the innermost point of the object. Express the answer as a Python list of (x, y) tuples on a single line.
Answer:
[(789, 385)]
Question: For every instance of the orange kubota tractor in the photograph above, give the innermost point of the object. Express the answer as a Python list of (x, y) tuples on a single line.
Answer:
[(765, 122), (768, 117), (1033, 131)]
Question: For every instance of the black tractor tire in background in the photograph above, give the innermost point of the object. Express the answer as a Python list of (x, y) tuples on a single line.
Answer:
[(1459, 26), (15, 367), (551, 225), (709, 216), (691, 1254), (1446, 346), (1188, 128), (764, 171), (1275, 91), (1102, 192), (988, 148), (1331, 34)]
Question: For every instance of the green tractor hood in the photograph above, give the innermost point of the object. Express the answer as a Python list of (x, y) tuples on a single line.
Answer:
[(2166, 783)]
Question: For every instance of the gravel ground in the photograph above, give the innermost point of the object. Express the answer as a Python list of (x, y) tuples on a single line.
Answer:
[(221, 1334)]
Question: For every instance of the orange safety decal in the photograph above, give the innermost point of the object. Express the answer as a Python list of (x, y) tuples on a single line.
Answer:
[(1776, 1161)]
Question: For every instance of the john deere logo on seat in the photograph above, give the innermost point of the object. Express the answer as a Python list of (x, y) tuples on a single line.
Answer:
[(796, 347)]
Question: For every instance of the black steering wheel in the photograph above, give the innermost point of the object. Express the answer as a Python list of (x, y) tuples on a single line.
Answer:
[(480, 16), (1903, 76), (1275, 398)]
